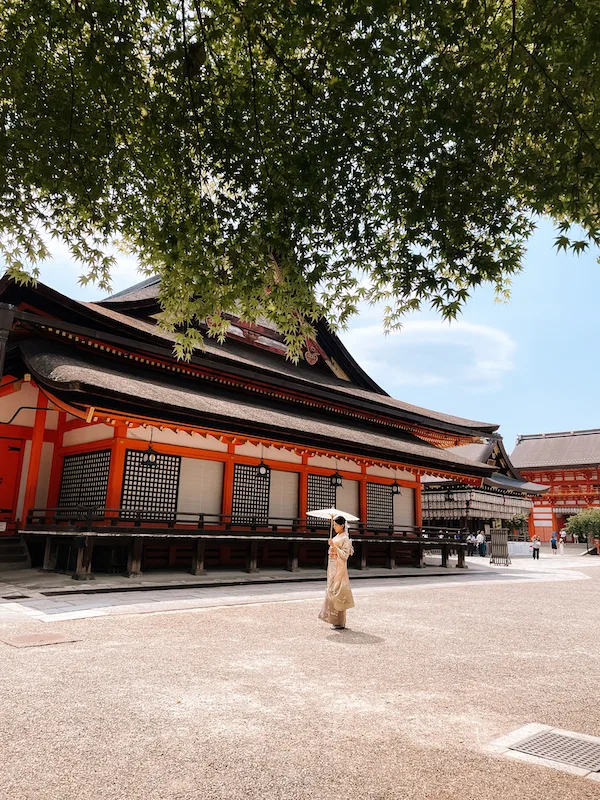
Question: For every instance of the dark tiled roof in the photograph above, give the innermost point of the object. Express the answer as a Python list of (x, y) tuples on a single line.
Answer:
[(475, 452), (495, 481), (246, 356), (499, 481), (244, 360), (565, 449), (64, 371), (144, 290)]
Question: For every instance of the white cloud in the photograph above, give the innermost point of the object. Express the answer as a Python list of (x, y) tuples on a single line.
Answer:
[(62, 272), (434, 353)]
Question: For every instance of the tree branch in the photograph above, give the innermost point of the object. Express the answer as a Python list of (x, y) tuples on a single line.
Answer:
[(189, 83), (513, 41), (565, 101), (254, 105)]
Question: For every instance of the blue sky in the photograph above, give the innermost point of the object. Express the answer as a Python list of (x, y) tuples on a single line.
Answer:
[(530, 365)]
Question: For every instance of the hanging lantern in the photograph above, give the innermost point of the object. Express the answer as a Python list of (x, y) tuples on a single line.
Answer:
[(335, 480), (396, 489), (449, 498), (149, 457), (263, 470)]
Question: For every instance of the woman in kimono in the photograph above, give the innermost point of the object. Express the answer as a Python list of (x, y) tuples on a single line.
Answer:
[(339, 595)]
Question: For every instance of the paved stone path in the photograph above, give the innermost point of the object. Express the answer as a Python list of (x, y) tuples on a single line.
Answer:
[(51, 597), (243, 693)]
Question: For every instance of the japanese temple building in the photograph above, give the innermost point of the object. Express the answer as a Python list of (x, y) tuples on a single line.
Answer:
[(116, 457), (504, 495), (567, 462)]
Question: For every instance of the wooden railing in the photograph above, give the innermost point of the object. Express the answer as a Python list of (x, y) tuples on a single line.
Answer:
[(85, 519)]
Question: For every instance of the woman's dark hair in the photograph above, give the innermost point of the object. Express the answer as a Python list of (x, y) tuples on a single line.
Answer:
[(339, 520)]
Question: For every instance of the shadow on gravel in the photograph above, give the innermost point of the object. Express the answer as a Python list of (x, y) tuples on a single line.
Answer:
[(348, 636)]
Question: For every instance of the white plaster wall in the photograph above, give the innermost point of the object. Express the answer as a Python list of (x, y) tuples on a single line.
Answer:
[(200, 486), (91, 433), (347, 497), (386, 472), (283, 494), (325, 462), (349, 466), (268, 453), (41, 491), (404, 507), (274, 454), (52, 420), (23, 483), (248, 449), (26, 396), (181, 439)]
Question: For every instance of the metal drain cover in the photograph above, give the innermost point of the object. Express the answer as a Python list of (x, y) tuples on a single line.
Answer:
[(563, 748)]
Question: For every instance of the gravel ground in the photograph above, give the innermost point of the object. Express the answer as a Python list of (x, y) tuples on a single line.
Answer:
[(264, 701)]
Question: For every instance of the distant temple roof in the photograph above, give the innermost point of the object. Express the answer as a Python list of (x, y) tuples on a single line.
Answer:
[(562, 449), (491, 451)]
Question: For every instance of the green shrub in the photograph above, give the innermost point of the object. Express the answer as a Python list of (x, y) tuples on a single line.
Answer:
[(584, 524)]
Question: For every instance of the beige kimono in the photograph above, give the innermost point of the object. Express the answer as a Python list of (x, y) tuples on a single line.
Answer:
[(339, 595)]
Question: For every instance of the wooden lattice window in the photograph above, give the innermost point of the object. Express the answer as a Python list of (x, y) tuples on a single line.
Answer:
[(380, 507), (250, 495), (321, 494), (84, 480), (151, 490)]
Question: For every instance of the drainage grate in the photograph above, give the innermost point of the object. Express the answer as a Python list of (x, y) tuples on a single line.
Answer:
[(563, 748), (15, 597)]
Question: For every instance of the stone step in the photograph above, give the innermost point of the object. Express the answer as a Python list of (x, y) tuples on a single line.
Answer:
[(13, 553), (10, 549)]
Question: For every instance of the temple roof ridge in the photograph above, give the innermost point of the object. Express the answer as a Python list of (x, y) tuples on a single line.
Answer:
[(560, 449), (557, 434)]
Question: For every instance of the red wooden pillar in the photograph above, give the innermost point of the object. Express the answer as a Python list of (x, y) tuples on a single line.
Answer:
[(303, 489), (117, 468), (227, 501), (530, 524), (37, 440), (362, 499), (57, 462), (418, 503)]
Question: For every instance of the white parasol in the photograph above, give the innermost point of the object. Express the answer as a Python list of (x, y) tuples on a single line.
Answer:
[(331, 514)]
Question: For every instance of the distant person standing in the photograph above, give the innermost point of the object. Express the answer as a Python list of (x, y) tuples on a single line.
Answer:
[(535, 544), (575, 538), (481, 543), (561, 544), (553, 543), (471, 540)]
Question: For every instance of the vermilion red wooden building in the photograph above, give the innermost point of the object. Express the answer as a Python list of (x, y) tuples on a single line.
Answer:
[(116, 457), (569, 463), (504, 495)]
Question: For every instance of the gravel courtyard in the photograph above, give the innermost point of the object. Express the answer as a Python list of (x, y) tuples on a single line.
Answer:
[(261, 700)]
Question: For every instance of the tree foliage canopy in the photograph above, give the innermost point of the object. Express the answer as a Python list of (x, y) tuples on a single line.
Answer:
[(584, 524), (266, 157)]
